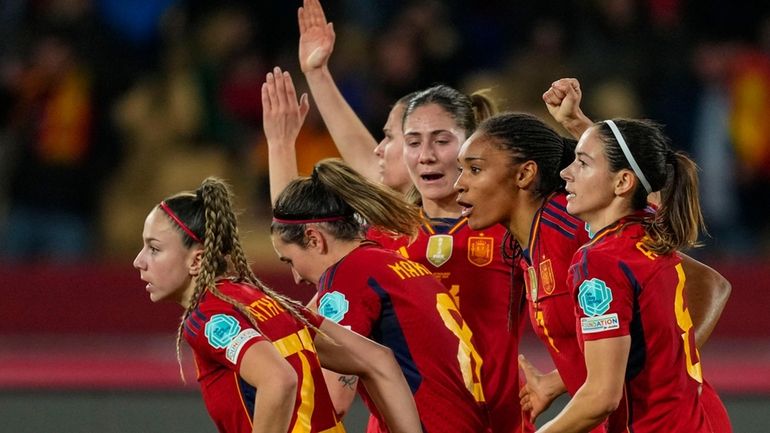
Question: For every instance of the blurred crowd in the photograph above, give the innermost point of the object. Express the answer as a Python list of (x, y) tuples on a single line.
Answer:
[(106, 106)]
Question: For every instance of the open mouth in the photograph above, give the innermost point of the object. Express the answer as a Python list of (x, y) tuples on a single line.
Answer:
[(467, 208), (430, 177)]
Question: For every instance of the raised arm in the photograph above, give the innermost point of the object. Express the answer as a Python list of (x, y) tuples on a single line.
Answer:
[(316, 42), (265, 369), (707, 292), (563, 102), (282, 117), (349, 353)]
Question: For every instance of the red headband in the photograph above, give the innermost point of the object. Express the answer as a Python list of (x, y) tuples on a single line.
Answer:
[(308, 221), (179, 222)]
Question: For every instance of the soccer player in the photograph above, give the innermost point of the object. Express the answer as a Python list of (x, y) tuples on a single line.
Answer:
[(318, 229), (628, 283), (510, 168), (258, 354), (467, 262)]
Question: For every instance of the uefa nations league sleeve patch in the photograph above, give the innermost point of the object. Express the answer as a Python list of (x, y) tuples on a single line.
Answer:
[(333, 306), (221, 329), (594, 297)]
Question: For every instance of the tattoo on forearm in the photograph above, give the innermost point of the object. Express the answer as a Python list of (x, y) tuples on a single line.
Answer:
[(348, 381)]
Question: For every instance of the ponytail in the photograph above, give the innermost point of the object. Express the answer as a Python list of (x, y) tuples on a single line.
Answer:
[(678, 221), (221, 245), (483, 105), (344, 201)]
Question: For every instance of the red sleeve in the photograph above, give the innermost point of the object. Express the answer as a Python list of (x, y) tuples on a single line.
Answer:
[(348, 301), (604, 303), (223, 337)]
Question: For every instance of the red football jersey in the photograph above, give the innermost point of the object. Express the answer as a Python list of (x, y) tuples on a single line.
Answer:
[(219, 336), (621, 288), (554, 238), (469, 263), (397, 303)]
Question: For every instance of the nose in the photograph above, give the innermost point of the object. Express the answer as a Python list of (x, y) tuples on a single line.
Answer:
[(459, 185), (566, 174), (297, 277), (427, 155), (139, 262), (379, 149)]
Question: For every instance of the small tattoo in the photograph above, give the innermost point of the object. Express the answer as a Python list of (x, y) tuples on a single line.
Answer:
[(348, 381)]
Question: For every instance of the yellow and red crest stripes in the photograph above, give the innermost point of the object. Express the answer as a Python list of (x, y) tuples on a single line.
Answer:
[(481, 250), (546, 276)]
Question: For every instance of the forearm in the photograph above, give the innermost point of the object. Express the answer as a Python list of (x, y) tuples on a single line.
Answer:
[(587, 409), (282, 161), (353, 140), (392, 396), (707, 292), (576, 125)]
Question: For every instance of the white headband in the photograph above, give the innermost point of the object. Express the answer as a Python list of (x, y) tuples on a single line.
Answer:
[(626, 151)]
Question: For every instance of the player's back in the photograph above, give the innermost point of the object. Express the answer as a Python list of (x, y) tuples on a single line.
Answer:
[(398, 303)]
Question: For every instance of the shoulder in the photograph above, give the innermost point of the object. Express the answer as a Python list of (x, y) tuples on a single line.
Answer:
[(555, 217)]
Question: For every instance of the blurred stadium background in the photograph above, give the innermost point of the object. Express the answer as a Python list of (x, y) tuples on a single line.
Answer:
[(107, 106)]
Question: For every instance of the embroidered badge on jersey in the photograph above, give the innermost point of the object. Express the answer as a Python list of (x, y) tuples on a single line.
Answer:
[(236, 344), (439, 249), (532, 280), (606, 322), (594, 297), (546, 276), (480, 250), (221, 329), (333, 306)]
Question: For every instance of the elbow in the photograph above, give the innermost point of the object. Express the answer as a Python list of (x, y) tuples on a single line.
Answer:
[(724, 288), (385, 364), (285, 382)]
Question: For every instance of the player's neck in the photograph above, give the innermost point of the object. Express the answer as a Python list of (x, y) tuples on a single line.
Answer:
[(444, 208), (522, 216)]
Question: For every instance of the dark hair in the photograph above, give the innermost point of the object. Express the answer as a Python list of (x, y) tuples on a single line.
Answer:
[(527, 138), (466, 110), (678, 220), (208, 213), (337, 192)]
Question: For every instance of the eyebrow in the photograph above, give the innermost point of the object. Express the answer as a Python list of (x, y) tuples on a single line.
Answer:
[(583, 154), (473, 158), (436, 132)]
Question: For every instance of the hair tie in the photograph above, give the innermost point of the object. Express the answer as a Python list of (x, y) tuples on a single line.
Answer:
[(179, 222), (629, 157)]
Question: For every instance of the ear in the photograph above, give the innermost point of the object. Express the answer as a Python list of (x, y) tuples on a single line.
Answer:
[(316, 240), (624, 182), (196, 261), (526, 174)]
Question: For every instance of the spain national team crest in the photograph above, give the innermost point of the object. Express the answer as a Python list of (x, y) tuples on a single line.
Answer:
[(546, 276), (439, 249), (481, 250)]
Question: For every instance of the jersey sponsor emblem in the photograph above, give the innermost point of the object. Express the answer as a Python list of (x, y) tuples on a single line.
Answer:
[(594, 297), (480, 250), (546, 276), (236, 344), (333, 306), (592, 325), (439, 249), (221, 329)]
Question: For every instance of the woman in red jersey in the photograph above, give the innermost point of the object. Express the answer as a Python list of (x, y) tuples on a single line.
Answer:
[(318, 228), (633, 321), (467, 262), (258, 354), (509, 176)]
